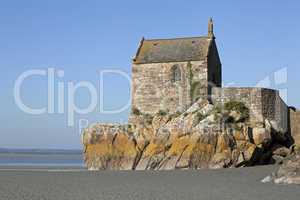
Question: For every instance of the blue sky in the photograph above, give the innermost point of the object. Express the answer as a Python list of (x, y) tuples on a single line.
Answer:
[(255, 39)]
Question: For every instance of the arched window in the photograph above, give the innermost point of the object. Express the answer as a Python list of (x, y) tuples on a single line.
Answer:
[(175, 73)]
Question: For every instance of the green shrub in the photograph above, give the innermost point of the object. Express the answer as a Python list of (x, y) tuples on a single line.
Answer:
[(162, 113), (239, 107), (174, 115), (177, 114), (198, 118), (148, 118), (195, 91), (229, 119), (197, 98), (217, 109)]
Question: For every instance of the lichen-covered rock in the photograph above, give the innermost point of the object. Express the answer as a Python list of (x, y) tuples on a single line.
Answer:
[(280, 150), (202, 137), (288, 172), (261, 135)]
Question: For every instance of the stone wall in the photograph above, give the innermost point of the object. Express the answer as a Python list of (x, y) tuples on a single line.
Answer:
[(154, 90), (251, 97), (262, 103), (295, 125), (281, 113)]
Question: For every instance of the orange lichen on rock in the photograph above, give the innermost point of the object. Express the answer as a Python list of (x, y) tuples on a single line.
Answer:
[(181, 141)]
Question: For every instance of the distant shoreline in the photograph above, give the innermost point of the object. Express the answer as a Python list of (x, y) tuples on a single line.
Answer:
[(40, 151), (40, 158)]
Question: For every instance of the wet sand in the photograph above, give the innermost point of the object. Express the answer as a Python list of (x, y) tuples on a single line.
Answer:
[(226, 184)]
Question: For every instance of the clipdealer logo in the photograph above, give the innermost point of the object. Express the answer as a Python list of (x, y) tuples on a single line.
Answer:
[(56, 94)]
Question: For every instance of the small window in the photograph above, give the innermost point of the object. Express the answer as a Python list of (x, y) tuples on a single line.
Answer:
[(175, 74)]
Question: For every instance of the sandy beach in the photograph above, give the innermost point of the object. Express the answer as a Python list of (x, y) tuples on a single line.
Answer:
[(243, 184)]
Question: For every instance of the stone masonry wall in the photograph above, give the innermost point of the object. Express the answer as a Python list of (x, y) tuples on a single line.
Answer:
[(153, 89), (251, 97), (262, 103), (275, 109), (295, 125)]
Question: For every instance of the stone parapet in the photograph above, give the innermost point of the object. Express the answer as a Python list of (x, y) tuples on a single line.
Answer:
[(295, 125), (264, 104)]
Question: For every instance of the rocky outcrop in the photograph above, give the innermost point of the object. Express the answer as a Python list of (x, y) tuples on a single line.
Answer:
[(205, 136), (288, 172)]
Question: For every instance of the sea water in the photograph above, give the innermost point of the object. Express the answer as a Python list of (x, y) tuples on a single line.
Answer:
[(41, 158)]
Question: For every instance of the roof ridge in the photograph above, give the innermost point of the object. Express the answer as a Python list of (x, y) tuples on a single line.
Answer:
[(178, 38)]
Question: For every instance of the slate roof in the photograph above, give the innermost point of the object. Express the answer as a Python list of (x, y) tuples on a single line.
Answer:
[(172, 50)]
